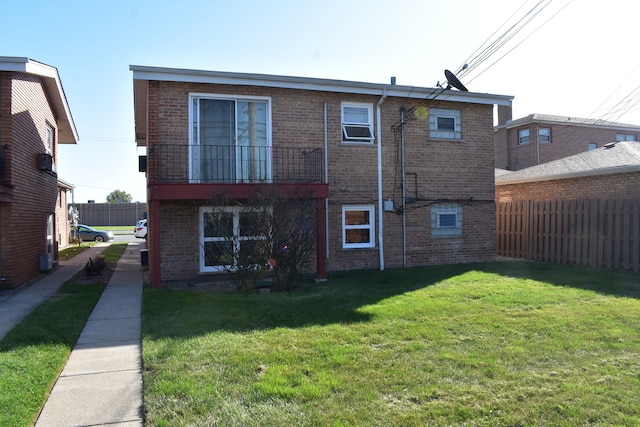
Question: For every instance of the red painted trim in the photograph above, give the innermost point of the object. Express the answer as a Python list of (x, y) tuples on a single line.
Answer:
[(233, 191), (320, 241), (154, 253)]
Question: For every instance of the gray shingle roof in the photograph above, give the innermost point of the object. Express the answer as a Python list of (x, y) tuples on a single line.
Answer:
[(548, 118), (615, 157)]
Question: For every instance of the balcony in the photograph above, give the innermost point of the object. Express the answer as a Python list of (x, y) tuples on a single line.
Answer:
[(224, 164)]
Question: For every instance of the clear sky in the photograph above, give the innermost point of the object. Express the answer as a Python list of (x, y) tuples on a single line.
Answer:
[(576, 58)]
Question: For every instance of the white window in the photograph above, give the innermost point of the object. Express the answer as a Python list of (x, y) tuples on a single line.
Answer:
[(230, 139), (446, 221), (445, 124), (358, 227), (230, 234), (523, 136), (48, 139), (357, 122), (626, 137), (544, 135)]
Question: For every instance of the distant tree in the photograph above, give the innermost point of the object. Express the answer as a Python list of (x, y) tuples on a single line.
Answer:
[(119, 196)]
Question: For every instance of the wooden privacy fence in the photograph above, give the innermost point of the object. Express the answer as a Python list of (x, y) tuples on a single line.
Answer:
[(592, 232)]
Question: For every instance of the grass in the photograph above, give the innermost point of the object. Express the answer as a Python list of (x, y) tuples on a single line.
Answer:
[(33, 354), (492, 344)]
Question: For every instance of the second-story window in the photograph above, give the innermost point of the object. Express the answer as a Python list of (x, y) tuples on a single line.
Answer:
[(445, 124), (523, 136), (357, 123), (48, 139), (230, 139), (626, 137), (544, 135)]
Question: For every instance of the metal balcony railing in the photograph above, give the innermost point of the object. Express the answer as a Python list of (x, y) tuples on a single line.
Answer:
[(181, 163)]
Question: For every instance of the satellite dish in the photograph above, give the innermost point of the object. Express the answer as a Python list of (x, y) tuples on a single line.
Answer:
[(452, 80)]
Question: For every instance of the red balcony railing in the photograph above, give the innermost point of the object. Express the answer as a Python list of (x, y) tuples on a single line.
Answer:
[(175, 163)]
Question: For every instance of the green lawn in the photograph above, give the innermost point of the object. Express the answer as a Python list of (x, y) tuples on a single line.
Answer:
[(33, 354), (491, 344)]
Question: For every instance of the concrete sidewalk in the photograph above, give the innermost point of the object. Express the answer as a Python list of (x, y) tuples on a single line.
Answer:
[(101, 384), (16, 304)]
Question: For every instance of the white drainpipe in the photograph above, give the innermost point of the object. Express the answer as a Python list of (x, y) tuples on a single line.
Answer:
[(380, 207)]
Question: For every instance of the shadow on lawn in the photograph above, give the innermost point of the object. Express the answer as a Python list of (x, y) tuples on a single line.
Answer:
[(170, 313)]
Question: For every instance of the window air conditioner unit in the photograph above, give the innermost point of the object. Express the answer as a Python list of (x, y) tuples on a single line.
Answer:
[(45, 162)]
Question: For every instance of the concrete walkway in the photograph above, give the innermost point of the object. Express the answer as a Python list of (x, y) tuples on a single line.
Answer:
[(16, 304), (101, 384)]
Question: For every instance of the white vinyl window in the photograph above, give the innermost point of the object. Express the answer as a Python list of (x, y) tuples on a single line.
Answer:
[(544, 135), (444, 124), (358, 227), (357, 123), (226, 234), (523, 136), (446, 221), (48, 139)]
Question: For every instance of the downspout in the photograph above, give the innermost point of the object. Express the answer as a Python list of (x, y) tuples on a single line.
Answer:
[(326, 181), (380, 207), (404, 192)]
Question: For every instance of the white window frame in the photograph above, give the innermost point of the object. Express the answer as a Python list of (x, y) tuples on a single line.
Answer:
[(524, 136), (193, 171), (441, 228), (348, 125), (544, 135), (371, 226), (237, 238), (437, 132), (49, 142)]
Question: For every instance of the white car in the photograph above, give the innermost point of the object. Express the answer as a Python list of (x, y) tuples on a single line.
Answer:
[(140, 231)]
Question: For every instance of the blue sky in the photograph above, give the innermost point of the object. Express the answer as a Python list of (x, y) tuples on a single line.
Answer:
[(582, 62)]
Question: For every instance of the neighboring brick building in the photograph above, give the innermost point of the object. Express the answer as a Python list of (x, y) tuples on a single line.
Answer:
[(403, 175), (34, 119), (540, 138), (606, 173)]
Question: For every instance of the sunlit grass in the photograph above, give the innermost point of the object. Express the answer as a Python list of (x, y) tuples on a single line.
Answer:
[(497, 344)]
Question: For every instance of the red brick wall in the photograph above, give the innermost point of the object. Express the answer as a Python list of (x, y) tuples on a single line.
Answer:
[(22, 227), (611, 186), (435, 169)]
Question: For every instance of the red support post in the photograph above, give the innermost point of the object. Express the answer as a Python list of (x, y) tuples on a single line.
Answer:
[(321, 246)]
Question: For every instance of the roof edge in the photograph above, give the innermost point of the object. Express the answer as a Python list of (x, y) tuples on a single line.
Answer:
[(504, 180), (310, 83)]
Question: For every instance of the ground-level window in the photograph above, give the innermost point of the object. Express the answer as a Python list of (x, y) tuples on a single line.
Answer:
[(593, 146), (358, 225), (446, 220), (229, 235), (523, 136)]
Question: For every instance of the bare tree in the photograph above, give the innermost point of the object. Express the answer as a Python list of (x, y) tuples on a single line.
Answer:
[(266, 239)]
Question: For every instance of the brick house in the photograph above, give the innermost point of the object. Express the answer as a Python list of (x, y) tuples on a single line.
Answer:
[(541, 138), (34, 119), (610, 172), (402, 175)]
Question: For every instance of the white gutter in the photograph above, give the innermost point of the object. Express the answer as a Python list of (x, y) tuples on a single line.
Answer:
[(380, 207)]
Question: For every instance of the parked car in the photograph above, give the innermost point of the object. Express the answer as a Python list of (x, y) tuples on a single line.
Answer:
[(86, 233), (140, 231)]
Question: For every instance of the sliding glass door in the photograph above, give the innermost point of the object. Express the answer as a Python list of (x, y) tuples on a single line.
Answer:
[(230, 140)]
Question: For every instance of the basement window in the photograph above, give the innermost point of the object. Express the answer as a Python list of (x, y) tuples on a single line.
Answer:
[(446, 221), (358, 227)]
